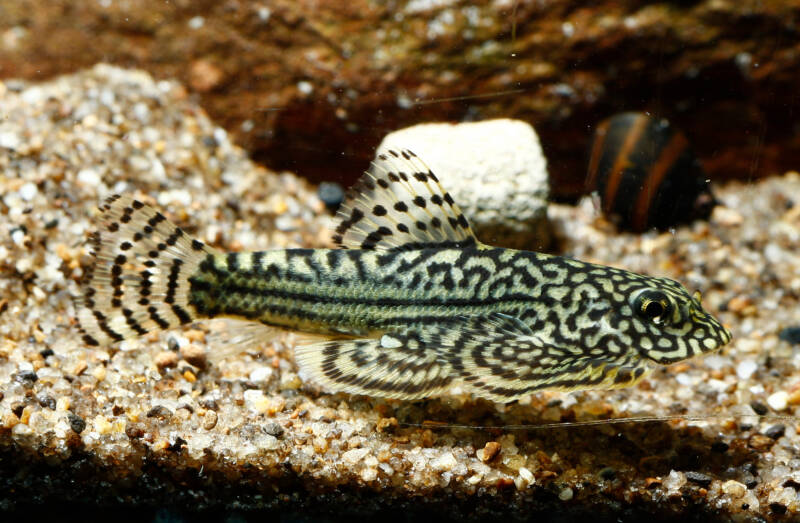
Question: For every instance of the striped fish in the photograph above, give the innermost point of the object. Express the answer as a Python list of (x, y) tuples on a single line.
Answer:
[(411, 303)]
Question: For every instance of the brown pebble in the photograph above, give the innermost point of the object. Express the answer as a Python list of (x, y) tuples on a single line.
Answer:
[(194, 355), (134, 431), (490, 451), (739, 304), (204, 75), (165, 359), (760, 442), (388, 425), (210, 420), (79, 367), (160, 412), (195, 335), (651, 482)]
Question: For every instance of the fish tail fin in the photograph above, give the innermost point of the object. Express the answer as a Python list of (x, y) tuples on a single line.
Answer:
[(140, 279)]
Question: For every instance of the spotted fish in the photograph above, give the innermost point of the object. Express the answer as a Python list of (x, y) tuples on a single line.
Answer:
[(411, 303)]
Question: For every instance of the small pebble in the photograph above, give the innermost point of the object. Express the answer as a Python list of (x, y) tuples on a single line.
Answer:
[(194, 355), (778, 401), (776, 431), (734, 489), (704, 480), (159, 411), (26, 377), (489, 451), (565, 494), (256, 401), (607, 473), (760, 442), (759, 408), (28, 191), (354, 456), (76, 423), (274, 428), (210, 420), (444, 462), (165, 359), (790, 334), (331, 194), (746, 368)]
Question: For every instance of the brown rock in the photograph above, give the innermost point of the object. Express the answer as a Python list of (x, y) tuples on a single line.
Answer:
[(490, 451), (165, 359), (194, 355), (760, 442), (204, 76)]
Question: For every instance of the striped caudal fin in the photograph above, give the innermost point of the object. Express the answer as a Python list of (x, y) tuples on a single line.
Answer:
[(139, 282)]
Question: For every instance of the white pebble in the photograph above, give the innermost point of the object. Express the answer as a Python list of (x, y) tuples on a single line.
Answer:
[(444, 462), (18, 237), (674, 481), (305, 87), (197, 22), (526, 474), (369, 474), (565, 494), (28, 191), (354, 456), (261, 375), (746, 368), (778, 401), (89, 177), (10, 140), (255, 400), (734, 489)]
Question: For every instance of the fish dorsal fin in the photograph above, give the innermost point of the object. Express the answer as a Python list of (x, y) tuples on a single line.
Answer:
[(397, 204)]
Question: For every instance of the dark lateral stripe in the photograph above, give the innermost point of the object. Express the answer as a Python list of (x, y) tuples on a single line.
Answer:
[(172, 281)]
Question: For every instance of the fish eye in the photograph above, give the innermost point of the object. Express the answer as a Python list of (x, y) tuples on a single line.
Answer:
[(652, 305)]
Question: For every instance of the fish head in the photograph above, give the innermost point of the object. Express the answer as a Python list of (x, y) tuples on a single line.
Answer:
[(669, 324)]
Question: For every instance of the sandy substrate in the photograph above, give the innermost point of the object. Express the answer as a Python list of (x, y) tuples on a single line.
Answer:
[(190, 419)]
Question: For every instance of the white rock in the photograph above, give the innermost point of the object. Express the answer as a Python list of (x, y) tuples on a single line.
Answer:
[(674, 481), (734, 489), (526, 474), (778, 400), (261, 374), (89, 177), (566, 494), (9, 140), (28, 191), (255, 400), (354, 456), (444, 462), (746, 368), (495, 171)]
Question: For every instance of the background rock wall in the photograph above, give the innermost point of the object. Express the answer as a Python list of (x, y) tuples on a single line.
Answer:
[(313, 85)]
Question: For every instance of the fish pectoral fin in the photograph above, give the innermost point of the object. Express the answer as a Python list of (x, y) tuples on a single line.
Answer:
[(398, 203), (396, 365), (499, 358)]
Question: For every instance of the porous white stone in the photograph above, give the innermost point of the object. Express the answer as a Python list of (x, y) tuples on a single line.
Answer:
[(495, 171)]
